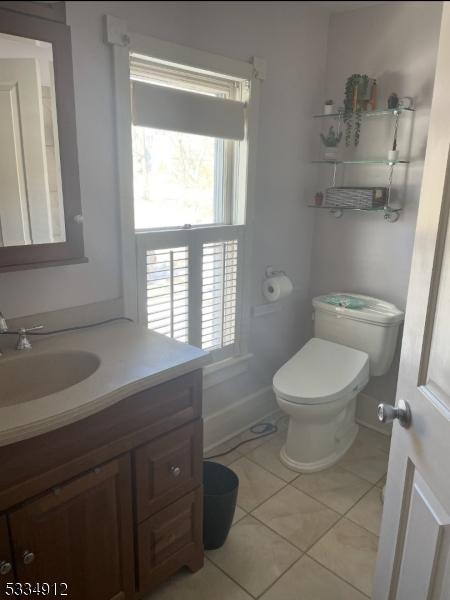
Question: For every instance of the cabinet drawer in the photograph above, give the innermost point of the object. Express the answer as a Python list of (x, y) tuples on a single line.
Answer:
[(167, 468), (171, 539)]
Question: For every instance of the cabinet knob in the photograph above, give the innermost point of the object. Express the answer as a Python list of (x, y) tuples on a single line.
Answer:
[(176, 471), (28, 557), (5, 567)]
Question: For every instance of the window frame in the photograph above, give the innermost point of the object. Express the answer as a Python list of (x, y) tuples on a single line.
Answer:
[(123, 44)]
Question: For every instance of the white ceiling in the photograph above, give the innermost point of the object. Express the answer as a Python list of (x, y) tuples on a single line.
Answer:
[(335, 7)]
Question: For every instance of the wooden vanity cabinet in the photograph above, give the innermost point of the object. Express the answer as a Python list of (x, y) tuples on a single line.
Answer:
[(6, 560), (115, 520)]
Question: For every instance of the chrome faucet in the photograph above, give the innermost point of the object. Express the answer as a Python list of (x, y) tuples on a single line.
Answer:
[(23, 343)]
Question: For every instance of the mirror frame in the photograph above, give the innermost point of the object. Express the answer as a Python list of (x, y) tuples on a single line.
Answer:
[(13, 258)]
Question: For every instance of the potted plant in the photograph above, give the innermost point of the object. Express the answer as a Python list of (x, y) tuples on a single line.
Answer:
[(328, 108), (360, 92), (331, 142)]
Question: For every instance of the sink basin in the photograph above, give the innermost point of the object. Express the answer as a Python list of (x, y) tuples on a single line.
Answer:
[(29, 377)]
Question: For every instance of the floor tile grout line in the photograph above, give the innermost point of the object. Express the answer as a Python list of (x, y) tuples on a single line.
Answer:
[(271, 472), (302, 555), (354, 522), (265, 590), (285, 484), (290, 541), (336, 575), (229, 577)]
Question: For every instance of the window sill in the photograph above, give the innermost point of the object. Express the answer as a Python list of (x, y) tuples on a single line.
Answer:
[(225, 369)]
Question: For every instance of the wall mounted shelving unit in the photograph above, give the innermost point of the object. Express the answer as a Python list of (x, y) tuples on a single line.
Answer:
[(351, 155)]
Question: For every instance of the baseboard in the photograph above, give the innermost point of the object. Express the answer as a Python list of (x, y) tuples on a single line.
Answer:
[(239, 416), (366, 414)]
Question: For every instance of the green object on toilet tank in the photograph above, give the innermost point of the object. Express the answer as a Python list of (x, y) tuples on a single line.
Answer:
[(344, 301)]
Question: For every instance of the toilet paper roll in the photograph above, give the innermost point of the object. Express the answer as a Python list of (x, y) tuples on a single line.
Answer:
[(277, 287)]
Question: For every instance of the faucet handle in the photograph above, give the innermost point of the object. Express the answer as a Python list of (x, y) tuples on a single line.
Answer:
[(23, 343), (28, 329)]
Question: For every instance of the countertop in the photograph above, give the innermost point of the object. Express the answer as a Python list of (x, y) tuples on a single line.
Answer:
[(132, 359)]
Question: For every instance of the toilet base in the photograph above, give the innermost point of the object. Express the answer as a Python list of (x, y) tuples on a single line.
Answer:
[(323, 463)]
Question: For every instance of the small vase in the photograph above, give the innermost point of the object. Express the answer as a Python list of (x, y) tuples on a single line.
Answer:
[(328, 109), (330, 153), (393, 155)]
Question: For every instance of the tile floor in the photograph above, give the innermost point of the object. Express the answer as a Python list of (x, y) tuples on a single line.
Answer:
[(295, 537)]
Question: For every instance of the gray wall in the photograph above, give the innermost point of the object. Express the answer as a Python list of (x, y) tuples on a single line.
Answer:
[(397, 44)]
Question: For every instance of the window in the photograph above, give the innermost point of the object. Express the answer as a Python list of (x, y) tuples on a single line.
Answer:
[(189, 169)]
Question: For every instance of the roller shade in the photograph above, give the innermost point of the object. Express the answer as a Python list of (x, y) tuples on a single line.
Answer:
[(176, 110)]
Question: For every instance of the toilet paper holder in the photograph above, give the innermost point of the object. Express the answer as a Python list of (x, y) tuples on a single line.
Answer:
[(271, 272)]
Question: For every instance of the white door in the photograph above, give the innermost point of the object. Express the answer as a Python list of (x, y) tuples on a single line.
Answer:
[(24, 197), (414, 551)]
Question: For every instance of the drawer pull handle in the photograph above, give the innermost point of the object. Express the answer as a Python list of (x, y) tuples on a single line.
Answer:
[(5, 567), (176, 471), (28, 557)]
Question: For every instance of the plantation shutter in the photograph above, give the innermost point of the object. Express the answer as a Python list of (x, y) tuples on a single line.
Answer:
[(190, 287)]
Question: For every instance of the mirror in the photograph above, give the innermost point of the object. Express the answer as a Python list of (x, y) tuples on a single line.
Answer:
[(40, 206), (31, 206)]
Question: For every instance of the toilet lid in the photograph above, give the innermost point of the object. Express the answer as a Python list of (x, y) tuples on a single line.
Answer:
[(320, 372)]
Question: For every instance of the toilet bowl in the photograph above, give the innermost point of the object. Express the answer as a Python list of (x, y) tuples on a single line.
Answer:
[(317, 389), (354, 337)]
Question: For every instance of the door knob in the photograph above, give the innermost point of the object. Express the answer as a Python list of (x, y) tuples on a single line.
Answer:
[(5, 567), (387, 413), (28, 557)]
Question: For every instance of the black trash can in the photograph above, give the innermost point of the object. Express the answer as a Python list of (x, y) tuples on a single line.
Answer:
[(220, 488)]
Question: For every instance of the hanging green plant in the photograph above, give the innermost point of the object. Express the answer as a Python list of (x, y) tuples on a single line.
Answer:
[(356, 89)]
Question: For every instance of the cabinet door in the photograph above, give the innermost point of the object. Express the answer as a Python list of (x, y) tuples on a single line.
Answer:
[(80, 534), (6, 569)]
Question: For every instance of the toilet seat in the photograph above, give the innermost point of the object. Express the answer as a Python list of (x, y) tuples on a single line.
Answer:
[(322, 372)]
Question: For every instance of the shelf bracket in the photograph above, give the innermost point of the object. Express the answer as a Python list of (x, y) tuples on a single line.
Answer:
[(391, 216)]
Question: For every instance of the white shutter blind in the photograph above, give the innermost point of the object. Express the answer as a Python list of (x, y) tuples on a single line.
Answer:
[(189, 285), (219, 293), (167, 291), (163, 107)]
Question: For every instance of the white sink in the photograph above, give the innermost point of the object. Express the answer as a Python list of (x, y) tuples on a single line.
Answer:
[(25, 378)]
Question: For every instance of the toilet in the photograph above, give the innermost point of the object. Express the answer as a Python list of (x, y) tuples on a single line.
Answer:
[(354, 338)]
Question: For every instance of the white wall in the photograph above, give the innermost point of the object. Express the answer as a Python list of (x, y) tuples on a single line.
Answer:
[(396, 43), (292, 38)]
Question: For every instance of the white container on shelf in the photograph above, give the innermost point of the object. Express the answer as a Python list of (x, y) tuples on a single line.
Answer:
[(393, 155)]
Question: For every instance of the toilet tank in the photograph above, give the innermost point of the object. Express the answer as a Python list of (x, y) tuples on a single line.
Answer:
[(372, 328)]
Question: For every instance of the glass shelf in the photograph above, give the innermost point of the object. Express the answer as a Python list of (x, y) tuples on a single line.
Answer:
[(370, 113), (386, 209), (361, 162)]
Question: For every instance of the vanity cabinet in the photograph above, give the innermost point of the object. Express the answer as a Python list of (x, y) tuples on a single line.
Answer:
[(112, 504), (6, 561)]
